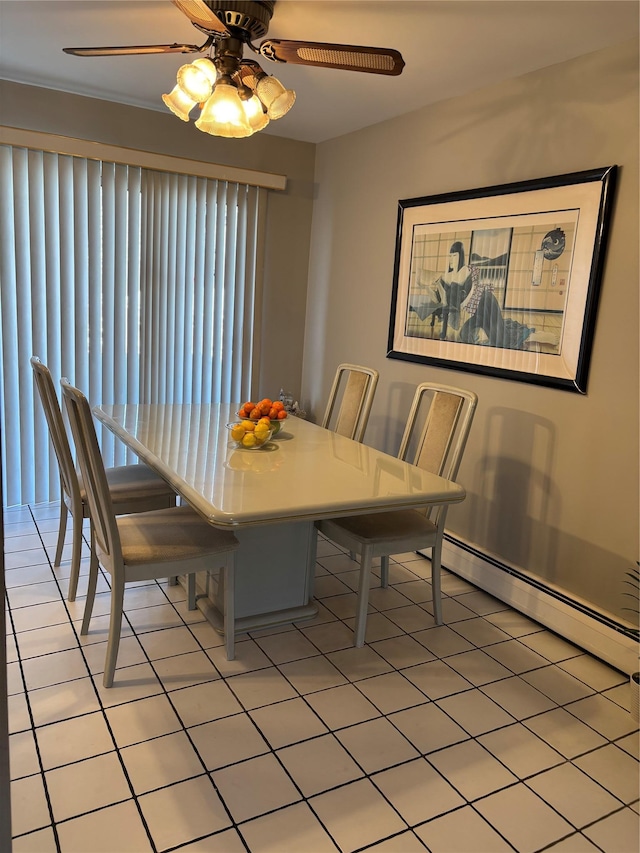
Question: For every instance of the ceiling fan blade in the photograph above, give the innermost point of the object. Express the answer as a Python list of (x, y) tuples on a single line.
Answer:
[(132, 49), (375, 60), (201, 15), (248, 73)]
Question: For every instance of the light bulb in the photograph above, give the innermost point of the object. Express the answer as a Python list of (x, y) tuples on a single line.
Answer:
[(223, 113), (198, 78), (256, 116), (179, 102)]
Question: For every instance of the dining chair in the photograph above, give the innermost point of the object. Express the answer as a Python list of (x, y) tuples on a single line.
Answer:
[(145, 545), (350, 400), (133, 488), (438, 448)]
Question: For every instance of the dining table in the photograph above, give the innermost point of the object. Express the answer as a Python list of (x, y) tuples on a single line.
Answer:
[(269, 497)]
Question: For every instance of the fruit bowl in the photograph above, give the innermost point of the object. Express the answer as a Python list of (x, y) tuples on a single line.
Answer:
[(269, 409), (249, 435)]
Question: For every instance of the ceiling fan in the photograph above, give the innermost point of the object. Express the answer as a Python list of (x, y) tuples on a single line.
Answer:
[(230, 25)]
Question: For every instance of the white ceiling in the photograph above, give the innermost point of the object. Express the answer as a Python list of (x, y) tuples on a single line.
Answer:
[(450, 47)]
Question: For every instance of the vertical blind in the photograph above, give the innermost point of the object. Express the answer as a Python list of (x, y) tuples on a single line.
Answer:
[(138, 286)]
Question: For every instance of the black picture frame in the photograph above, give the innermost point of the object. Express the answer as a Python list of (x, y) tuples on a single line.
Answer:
[(503, 280)]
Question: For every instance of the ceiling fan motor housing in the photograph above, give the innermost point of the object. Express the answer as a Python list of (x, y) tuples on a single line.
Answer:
[(252, 17)]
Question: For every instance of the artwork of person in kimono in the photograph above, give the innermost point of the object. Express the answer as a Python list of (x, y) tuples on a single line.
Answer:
[(469, 304)]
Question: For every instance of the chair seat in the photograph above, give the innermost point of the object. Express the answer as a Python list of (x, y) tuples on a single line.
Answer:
[(410, 528), (167, 535), (132, 481), (133, 488), (129, 484)]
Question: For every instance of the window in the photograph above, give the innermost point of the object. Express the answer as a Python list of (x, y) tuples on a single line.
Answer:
[(137, 285)]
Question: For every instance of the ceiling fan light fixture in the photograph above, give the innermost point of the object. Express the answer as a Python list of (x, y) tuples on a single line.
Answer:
[(179, 102), (197, 78), (235, 95), (223, 113), (274, 96)]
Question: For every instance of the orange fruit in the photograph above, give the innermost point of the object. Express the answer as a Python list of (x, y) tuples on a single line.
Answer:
[(282, 415), (273, 413), (278, 404), (255, 413)]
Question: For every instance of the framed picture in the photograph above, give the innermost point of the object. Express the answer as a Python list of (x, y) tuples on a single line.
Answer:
[(503, 280)]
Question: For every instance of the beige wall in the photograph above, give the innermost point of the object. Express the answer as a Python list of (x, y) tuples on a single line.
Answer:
[(288, 212), (552, 476)]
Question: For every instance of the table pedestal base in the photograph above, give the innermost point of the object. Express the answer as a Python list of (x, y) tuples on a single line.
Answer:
[(255, 623), (274, 571)]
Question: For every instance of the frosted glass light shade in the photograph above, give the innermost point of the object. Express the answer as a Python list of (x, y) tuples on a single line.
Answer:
[(179, 102), (197, 78), (223, 113), (256, 116), (274, 96)]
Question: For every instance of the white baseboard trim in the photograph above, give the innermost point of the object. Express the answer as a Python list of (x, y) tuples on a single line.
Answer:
[(544, 605)]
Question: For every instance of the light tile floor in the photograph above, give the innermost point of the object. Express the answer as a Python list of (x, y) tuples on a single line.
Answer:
[(488, 734)]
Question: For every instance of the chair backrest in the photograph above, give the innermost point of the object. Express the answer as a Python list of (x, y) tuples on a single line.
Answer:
[(353, 389), (94, 477), (440, 444), (57, 431)]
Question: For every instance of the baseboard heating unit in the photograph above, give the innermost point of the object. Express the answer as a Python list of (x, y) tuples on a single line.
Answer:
[(572, 619)]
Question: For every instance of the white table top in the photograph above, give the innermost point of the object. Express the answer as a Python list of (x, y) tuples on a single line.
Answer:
[(305, 472)]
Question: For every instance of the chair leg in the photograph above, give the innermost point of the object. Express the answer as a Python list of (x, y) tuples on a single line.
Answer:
[(229, 607), (384, 572), (91, 588), (436, 556), (76, 550), (191, 591), (62, 529), (363, 596), (115, 626)]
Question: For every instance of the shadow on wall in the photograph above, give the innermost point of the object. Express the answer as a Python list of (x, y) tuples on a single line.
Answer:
[(385, 431), (596, 576), (513, 509), (512, 500)]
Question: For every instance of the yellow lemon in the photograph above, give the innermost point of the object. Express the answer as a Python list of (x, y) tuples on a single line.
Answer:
[(248, 425), (249, 440), (237, 432)]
